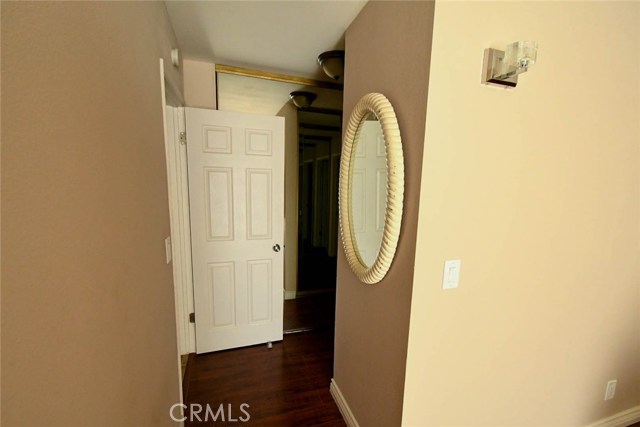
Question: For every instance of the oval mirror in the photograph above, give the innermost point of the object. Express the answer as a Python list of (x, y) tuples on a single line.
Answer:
[(371, 188)]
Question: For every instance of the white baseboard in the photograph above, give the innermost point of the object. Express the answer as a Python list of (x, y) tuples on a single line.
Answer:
[(289, 294), (342, 405), (621, 419)]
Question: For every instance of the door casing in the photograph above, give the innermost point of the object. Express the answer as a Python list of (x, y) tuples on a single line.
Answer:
[(176, 151)]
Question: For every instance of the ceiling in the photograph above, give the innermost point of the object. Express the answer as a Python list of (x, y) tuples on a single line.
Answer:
[(281, 36)]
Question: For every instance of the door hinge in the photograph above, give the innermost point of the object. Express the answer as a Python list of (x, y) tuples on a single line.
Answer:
[(183, 138), (192, 318)]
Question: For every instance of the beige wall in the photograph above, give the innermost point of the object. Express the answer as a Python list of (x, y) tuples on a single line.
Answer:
[(199, 84), (88, 319), (537, 191), (290, 114), (387, 50)]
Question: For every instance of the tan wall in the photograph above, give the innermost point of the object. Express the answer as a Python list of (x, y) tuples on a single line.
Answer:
[(199, 84), (290, 114), (537, 191), (387, 50), (88, 318)]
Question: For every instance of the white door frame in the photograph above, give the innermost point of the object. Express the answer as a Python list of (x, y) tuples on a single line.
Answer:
[(178, 195), (176, 151), (168, 92)]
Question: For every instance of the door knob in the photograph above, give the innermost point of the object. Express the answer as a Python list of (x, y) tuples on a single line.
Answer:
[(276, 248)]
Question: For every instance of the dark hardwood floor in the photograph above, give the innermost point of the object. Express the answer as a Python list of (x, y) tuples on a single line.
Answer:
[(316, 269), (287, 385), (316, 312)]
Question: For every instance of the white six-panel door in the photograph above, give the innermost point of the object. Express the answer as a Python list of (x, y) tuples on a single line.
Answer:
[(369, 194), (236, 192)]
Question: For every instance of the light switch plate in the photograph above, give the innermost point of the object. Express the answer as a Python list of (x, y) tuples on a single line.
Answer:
[(167, 248), (611, 390), (451, 276)]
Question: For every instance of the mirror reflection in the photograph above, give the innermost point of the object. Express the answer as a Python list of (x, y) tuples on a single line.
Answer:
[(369, 189)]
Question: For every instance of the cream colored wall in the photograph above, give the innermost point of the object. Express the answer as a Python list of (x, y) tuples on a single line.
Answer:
[(387, 50), (88, 319), (199, 84), (537, 191)]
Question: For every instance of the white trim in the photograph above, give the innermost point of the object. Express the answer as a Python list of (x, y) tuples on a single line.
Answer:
[(180, 228), (185, 231), (621, 419), (348, 416), (163, 95), (169, 140), (289, 294)]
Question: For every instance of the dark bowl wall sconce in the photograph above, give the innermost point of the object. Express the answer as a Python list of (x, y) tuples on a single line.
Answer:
[(302, 99), (332, 63)]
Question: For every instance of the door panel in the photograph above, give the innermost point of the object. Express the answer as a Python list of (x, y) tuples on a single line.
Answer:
[(236, 190), (219, 203), (369, 180)]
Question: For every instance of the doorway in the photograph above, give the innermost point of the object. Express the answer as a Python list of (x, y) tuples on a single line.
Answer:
[(317, 135), (312, 157), (319, 147), (312, 153), (317, 195)]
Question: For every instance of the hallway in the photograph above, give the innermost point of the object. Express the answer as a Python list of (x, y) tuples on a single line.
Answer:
[(287, 385)]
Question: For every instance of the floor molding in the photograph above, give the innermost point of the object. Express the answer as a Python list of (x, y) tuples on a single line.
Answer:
[(289, 294), (342, 405), (621, 419)]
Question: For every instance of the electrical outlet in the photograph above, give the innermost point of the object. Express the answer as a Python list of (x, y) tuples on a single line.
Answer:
[(611, 390)]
